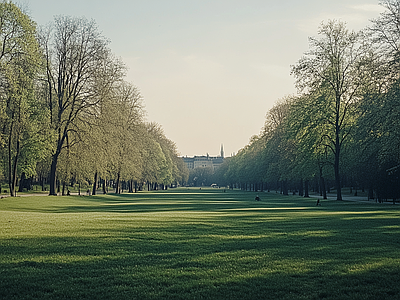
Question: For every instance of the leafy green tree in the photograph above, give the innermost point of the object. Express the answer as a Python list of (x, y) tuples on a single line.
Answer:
[(279, 153), (201, 176), (384, 34), (306, 125), (78, 64), (378, 139), (221, 173), (153, 160), (378, 132), (21, 115), (169, 172), (181, 175), (334, 70), (121, 125)]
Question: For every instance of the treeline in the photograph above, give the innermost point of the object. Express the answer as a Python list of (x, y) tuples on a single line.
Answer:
[(67, 114), (343, 127)]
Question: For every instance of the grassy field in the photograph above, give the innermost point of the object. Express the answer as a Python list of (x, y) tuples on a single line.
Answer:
[(197, 244)]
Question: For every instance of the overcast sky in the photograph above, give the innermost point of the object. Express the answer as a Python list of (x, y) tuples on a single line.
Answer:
[(209, 70)]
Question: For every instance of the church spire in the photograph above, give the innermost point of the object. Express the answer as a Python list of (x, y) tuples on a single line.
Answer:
[(222, 150)]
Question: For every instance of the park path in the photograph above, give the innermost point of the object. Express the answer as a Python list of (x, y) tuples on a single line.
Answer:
[(332, 196)]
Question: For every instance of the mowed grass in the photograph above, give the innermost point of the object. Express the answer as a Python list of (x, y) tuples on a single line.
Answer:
[(197, 244)]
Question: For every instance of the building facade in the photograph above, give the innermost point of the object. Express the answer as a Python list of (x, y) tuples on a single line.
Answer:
[(205, 161)]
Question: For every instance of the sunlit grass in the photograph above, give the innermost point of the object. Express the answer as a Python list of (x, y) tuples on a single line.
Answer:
[(192, 244)]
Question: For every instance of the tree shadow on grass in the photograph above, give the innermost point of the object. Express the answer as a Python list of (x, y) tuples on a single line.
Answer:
[(222, 246), (236, 270), (167, 202), (242, 256)]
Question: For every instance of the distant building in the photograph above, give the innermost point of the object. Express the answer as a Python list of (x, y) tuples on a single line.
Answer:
[(205, 161)]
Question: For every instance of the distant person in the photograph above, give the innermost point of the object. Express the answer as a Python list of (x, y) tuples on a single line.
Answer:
[(318, 202), (258, 198)]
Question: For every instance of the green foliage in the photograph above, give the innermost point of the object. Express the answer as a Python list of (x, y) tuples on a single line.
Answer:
[(66, 110), (97, 116), (201, 176), (22, 121), (344, 122)]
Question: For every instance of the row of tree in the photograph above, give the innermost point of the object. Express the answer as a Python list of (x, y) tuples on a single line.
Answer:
[(68, 115), (343, 128)]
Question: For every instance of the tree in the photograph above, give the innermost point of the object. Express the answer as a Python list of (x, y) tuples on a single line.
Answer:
[(126, 127), (181, 176), (279, 153), (79, 68), (333, 70), (168, 169), (378, 139), (306, 125), (20, 62), (201, 176), (385, 35)]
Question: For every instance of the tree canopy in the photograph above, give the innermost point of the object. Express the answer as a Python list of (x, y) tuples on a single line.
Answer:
[(67, 113), (342, 127), (68, 116)]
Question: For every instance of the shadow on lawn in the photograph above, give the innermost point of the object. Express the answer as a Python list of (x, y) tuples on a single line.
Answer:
[(222, 246), (73, 268), (200, 201), (218, 257)]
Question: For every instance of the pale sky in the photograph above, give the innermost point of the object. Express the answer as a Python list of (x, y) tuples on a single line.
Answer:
[(209, 70)]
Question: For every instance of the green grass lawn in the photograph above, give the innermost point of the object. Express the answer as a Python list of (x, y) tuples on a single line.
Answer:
[(197, 244)]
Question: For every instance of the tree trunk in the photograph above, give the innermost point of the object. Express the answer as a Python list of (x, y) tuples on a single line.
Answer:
[(370, 193), (130, 186), (337, 152), (53, 179), (117, 189), (10, 172), (337, 177), (322, 185), (95, 183), (54, 161), (285, 190), (104, 186), (306, 193), (22, 182), (13, 170), (301, 190)]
